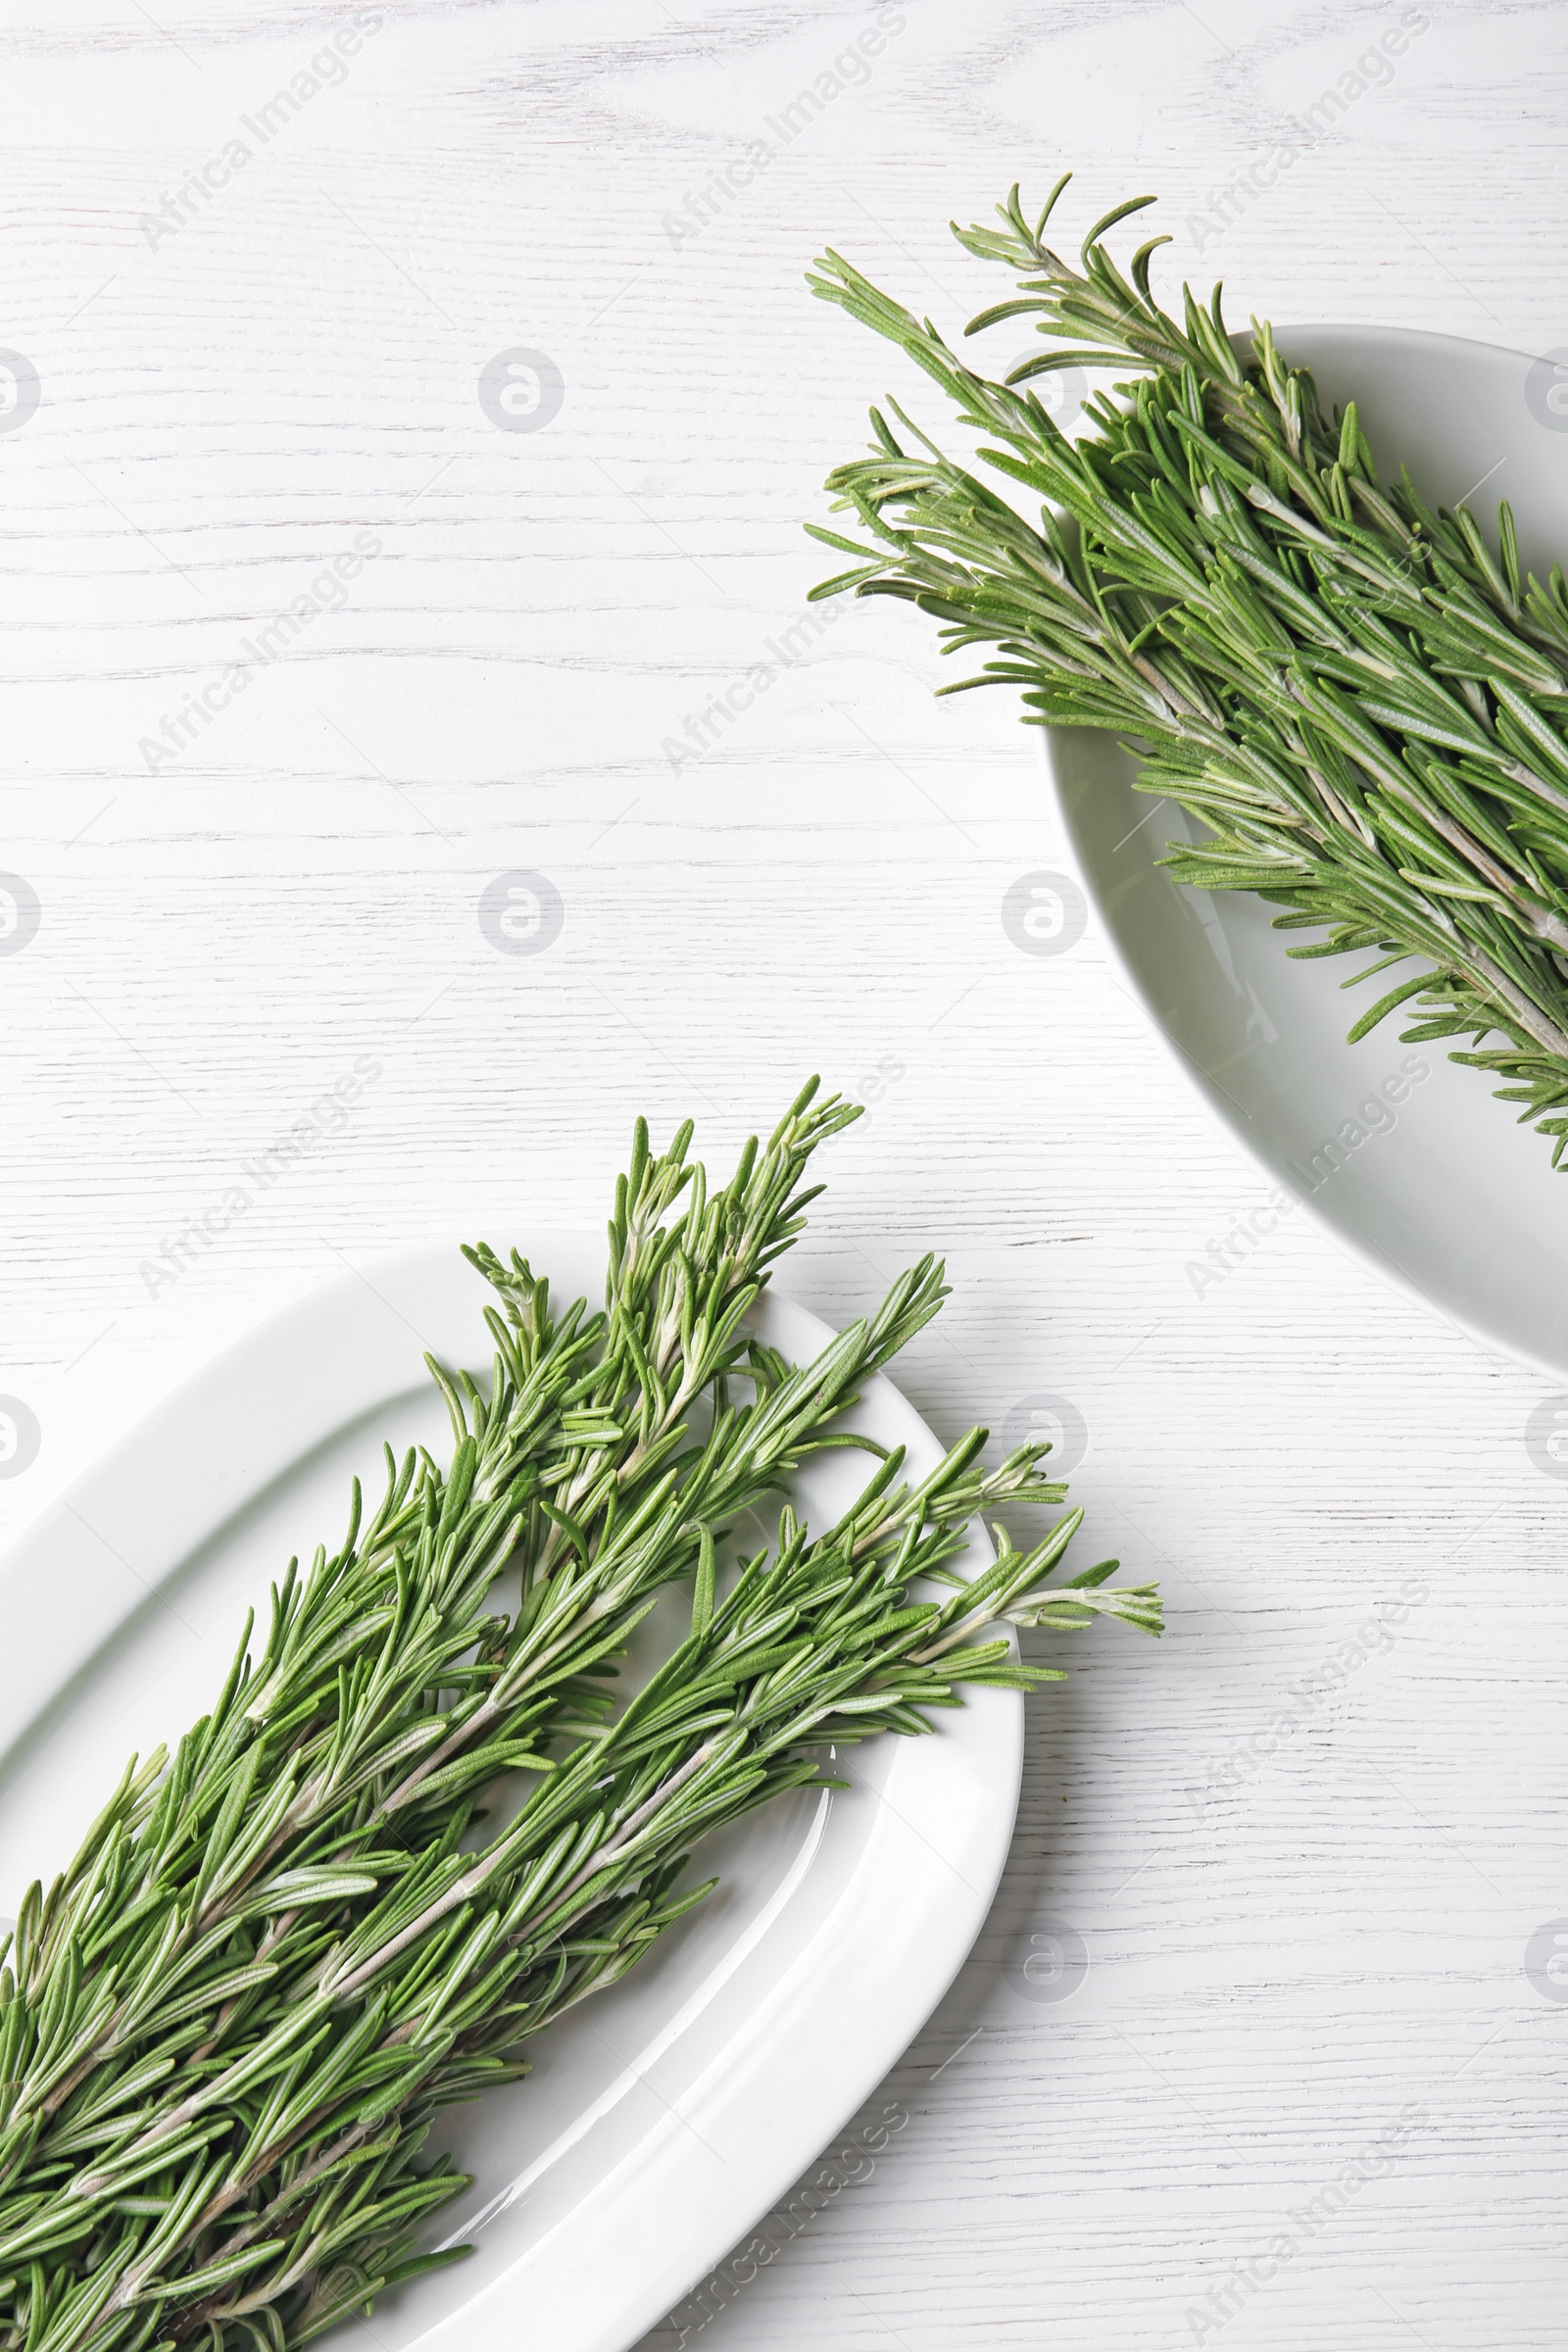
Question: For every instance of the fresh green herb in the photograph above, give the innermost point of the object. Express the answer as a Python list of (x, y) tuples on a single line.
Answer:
[(1361, 701), (227, 2029)]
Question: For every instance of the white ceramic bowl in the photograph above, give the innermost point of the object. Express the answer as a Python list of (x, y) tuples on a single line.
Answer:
[(1428, 1181)]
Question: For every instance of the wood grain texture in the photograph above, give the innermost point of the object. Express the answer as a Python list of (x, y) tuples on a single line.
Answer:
[(1306, 1841)]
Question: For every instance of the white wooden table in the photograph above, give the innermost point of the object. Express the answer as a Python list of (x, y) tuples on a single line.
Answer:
[(1306, 2081)]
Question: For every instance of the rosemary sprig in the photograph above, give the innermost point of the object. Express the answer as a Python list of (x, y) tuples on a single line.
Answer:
[(1362, 704), (227, 2030), (339, 1702)]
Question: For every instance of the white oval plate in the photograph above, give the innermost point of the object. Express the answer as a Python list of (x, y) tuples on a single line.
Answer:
[(664, 2117), (1424, 1177)]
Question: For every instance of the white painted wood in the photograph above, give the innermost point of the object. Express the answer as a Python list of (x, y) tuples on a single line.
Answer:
[(1290, 1952)]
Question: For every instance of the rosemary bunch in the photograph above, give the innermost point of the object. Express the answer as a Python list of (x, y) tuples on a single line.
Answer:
[(817, 1643), (324, 1746), (227, 2029), (1359, 702)]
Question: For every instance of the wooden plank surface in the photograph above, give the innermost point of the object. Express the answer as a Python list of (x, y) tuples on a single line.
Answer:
[(1304, 2091)]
